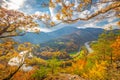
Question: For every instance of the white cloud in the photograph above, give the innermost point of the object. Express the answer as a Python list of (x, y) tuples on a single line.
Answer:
[(90, 23), (111, 19), (37, 29), (86, 12), (83, 14), (53, 12), (34, 29), (13, 4), (45, 30), (100, 6), (53, 0), (113, 25), (93, 24), (76, 3), (39, 13), (67, 3)]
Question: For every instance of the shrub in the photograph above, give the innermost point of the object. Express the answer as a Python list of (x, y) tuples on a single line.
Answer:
[(40, 74)]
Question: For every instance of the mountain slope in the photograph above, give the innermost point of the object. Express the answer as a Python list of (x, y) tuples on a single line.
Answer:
[(73, 41)]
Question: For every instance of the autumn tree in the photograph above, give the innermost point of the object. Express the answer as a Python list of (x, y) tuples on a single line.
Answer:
[(41, 73), (116, 48), (15, 23), (23, 58), (102, 46), (71, 11), (53, 64)]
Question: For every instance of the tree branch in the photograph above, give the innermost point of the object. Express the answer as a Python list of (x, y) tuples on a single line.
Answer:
[(12, 74), (5, 29), (13, 35), (108, 8)]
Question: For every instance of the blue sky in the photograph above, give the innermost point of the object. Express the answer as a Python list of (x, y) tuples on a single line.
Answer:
[(34, 6)]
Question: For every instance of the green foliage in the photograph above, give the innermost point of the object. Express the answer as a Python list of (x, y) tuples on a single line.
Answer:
[(53, 65), (36, 61), (90, 64), (82, 54), (73, 53), (102, 46), (41, 73)]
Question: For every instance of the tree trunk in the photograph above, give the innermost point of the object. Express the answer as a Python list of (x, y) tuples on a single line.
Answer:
[(12, 74)]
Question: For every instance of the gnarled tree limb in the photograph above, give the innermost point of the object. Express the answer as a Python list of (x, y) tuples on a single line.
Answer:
[(104, 10)]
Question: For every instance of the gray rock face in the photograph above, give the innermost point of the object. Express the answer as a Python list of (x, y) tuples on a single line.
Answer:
[(17, 61)]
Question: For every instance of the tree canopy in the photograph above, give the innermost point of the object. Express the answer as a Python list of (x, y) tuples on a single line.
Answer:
[(70, 11), (15, 23)]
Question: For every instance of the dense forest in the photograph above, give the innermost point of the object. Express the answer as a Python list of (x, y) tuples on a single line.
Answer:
[(66, 53)]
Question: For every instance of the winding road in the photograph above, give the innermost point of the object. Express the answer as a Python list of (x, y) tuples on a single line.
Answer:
[(89, 49)]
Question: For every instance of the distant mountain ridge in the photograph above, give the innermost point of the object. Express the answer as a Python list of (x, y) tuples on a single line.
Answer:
[(66, 32), (44, 37)]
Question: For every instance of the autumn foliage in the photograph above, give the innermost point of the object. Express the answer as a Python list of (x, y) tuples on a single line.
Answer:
[(99, 65), (116, 48)]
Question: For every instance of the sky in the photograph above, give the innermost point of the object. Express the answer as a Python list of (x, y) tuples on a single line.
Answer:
[(35, 7)]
